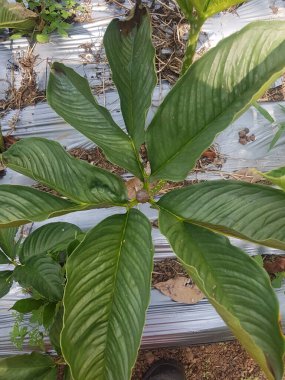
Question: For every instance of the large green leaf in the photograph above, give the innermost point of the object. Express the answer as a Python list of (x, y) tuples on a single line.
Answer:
[(131, 56), (106, 297), (70, 96), (43, 274), (47, 162), (276, 176), (7, 241), (207, 8), (240, 209), (35, 366), (236, 285), (216, 90), (48, 238), (16, 16), (21, 204), (6, 281)]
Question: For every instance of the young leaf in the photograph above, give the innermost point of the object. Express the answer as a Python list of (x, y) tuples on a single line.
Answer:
[(236, 286), (21, 204), (47, 162), (70, 96), (27, 305), (243, 210), (131, 55), (278, 134), (35, 366), (16, 16), (48, 238), (264, 112), (6, 281), (43, 274), (276, 176), (55, 330), (207, 8), (49, 314), (7, 241), (216, 90), (106, 297)]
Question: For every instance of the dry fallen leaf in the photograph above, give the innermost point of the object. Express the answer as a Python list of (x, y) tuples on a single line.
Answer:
[(180, 289)]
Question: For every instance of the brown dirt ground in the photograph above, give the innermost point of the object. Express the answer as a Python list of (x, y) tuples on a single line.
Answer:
[(218, 361)]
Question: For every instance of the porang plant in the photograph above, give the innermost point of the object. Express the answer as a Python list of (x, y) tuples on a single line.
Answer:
[(101, 312)]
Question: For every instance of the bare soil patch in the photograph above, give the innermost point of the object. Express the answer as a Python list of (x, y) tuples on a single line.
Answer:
[(218, 361)]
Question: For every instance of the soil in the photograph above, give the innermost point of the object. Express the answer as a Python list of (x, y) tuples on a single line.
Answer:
[(276, 94), (219, 361), (164, 270), (96, 157)]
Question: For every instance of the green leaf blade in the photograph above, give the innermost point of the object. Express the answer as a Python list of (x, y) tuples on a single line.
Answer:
[(277, 136), (215, 91), (276, 176), (43, 274), (236, 285), (27, 367), (27, 305), (6, 281), (16, 16), (21, 205), (48, 238), (47, 162), (109, 298), (7, 241), (235, 208), (70, 96), (207, 8), (131, 56)]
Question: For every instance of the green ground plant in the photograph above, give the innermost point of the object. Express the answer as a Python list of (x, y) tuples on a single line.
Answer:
[(102, 292), (38, 18)]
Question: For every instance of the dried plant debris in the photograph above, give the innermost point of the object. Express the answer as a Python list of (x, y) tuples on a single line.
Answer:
[(180, 289), (133, 186), (245, 137), (275, 94), (45, 189), (27, 93), (170, 34), (167, 269), (274, 264), (248, 175), (96, 157), (210, 157)]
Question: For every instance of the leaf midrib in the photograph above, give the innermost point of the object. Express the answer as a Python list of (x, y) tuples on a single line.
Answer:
[(237, 114), (114, 290)]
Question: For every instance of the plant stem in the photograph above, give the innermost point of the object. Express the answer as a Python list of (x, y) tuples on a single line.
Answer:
[(195, 28)]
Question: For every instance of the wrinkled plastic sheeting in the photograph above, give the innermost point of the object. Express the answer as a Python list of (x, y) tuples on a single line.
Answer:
[(167, 322), (41, 121), (83, 49)]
